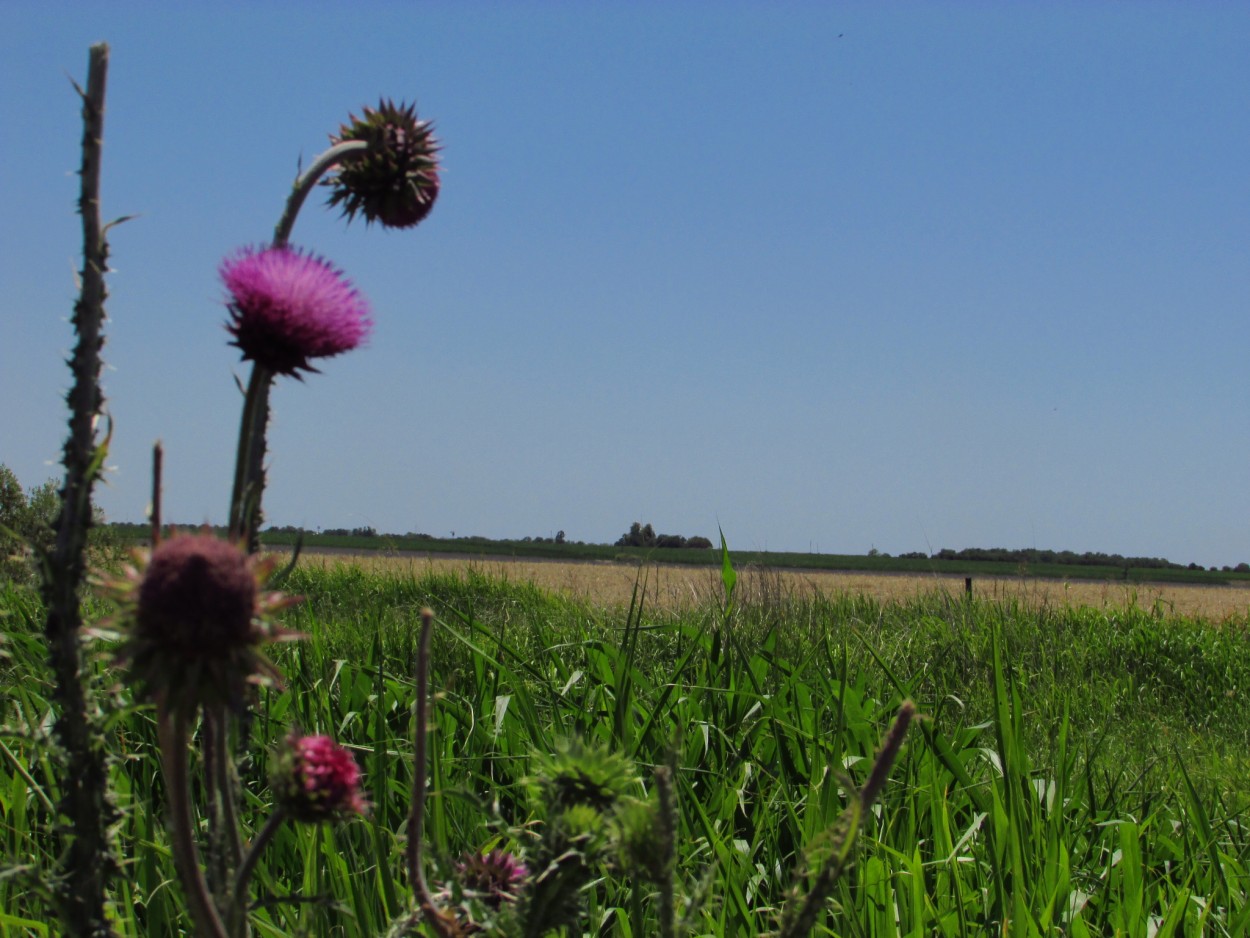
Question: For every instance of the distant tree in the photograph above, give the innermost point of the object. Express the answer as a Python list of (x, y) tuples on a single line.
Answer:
[(28, 523), (1242, 568), (559, 537), (643, 535)]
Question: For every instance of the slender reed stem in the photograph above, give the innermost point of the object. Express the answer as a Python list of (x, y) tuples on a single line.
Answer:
[(416, 813), (87, 858), (799, 917), (243, 876), (172, 732)]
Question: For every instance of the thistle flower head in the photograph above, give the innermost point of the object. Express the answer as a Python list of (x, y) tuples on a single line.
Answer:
[(495, 877), (578, 774), (640, 841), (394, 181), (315, 779), (193, 614), (287, 307)]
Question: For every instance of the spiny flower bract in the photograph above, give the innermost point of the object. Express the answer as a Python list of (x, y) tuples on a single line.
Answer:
[(288, 307), (193, 614), (580, 774), (395, 181), (495, 877), (315, 779)]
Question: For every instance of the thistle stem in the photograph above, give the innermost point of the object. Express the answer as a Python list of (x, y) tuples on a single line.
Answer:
[(227, 845), (249, 483), (87, 858), (304, 185), (243, 876), (172, 732), (249, 473), (416, 813)]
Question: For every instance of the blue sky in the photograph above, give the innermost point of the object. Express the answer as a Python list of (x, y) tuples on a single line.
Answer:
[(830, 276)]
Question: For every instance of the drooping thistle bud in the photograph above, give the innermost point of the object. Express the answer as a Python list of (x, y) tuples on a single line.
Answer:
[(288, 307), (194, 614), (315, 779), (395, 181)]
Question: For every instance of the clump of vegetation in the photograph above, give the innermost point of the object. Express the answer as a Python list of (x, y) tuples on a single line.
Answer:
[(643, 535), (27, 524)]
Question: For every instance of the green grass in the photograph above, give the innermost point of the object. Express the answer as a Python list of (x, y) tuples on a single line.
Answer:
[(1079, 771)]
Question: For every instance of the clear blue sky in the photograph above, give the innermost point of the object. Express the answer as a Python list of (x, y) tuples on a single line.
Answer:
[(831, 276)]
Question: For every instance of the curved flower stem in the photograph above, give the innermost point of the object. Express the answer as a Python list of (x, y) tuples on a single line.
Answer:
[(416, 811), (243, 876), (172, 731), (249, 473), (304, 184)]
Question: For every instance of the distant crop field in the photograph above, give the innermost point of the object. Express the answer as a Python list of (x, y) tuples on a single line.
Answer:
[(675, 587)]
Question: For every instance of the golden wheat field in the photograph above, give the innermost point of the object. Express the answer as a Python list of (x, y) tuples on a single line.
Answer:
[(675, 587)]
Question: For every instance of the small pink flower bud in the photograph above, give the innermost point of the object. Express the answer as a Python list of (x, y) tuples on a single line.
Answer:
[(495, 877), (315, 779)]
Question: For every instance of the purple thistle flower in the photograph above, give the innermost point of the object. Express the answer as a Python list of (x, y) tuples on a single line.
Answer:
[(287, 307), (194, 613), (316, 779), (495, 877)]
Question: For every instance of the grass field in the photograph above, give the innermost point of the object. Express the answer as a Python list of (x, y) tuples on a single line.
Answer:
[(1081, 769), (685, 587)]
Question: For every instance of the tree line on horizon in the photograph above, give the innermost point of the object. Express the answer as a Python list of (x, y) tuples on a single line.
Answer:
[(27, 515)]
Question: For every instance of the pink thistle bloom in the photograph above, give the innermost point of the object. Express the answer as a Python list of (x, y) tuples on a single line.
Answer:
[(496, 877), (315, 779), (193, 614), (287, 307)]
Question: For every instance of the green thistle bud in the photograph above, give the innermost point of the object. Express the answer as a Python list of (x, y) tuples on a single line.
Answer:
[(395, 181), (577, 774), (641, 843)]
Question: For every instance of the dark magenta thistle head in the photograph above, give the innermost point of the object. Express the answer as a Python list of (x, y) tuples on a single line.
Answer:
[(194, 614), (395, 180), (315, 779), (496, 877), (288, 307)]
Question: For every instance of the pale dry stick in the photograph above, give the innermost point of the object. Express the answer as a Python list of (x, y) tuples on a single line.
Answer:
[(88, 860)]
